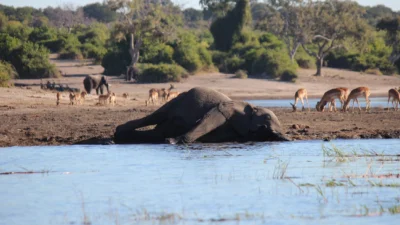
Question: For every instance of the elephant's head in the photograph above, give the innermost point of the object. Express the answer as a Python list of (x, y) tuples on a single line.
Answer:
[(265, 126)]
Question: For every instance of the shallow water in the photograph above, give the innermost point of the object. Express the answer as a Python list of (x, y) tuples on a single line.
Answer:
[(375, 102), (202, 184)]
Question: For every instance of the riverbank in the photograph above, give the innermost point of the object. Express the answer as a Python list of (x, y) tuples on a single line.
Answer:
[(29, 115), (31, 118)]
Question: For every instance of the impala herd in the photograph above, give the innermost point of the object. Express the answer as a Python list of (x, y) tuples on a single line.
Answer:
[(343, 95)]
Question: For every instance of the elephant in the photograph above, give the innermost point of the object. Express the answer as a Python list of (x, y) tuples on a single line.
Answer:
[(95, 82), (203, 115)]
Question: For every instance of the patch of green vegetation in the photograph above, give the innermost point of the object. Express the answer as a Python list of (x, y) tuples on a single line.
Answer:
[(307, 185), (333, 183), (394, 209)]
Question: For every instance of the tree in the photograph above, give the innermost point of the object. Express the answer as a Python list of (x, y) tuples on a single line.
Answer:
[(328, 24), (287, 19), (392, 27), (228, 28), (219, 8), (100, 12), (141, 19)]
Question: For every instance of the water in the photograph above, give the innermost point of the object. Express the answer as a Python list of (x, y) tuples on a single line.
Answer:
[(375, 102), (201, 184)]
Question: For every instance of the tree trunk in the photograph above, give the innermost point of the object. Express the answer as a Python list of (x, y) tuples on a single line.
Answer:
[(134, 52), (293, 51), (320, 62)]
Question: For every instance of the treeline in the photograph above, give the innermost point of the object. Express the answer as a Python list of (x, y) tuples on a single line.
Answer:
[(156, 41)]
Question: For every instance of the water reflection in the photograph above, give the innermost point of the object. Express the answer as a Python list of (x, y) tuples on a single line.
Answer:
[(250, 183)]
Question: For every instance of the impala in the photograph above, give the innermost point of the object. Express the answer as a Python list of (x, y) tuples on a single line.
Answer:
[(329, 97), (300, 94), (395, 96), (354, 94)]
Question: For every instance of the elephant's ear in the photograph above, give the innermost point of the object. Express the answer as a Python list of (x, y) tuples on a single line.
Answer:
[(238, 114)]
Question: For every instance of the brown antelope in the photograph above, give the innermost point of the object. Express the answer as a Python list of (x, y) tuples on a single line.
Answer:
[(300, 94), (395, 96), (153, 96), (83, 96), (113, 99), (58, 98), (125, 95), (72, 98), (172, 94), (354, 94), (329, 97), (104, 98)]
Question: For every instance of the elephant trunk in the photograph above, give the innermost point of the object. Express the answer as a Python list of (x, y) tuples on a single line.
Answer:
[(280, 137)]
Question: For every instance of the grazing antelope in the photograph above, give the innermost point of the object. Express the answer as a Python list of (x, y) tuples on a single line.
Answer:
[(58, 98), (354, 94), (153, 96), (104, 98), (300, 94), (72, 98), (125, 95), (113, 99), (329, 97), (395, 96)]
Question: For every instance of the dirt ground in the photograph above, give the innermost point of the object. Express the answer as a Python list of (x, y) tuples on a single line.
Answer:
[(29, 116)]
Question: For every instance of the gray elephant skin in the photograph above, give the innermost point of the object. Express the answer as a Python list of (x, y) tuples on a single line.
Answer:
[(203, 115), (95, 82)]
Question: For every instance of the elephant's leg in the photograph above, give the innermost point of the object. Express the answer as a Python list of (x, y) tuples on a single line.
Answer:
[(212, 120), (134, 136), (101, 89)]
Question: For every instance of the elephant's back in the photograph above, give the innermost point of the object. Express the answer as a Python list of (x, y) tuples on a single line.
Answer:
[(196, 102)]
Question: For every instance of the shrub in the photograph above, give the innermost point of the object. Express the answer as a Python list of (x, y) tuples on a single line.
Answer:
[(115, 62), (32, 61), (289, 76), (71, 53), (374, 71), (304, 60), (241, 74), (218, 59), (161, 73), (91, 51), (7, 72), (273, 63), (155, 53), (234, 64), (7, 45)]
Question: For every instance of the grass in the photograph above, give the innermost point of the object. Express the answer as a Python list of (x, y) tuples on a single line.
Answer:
[(280, 170), (380, 184), (334, 152), (333, 183), (394, 209)]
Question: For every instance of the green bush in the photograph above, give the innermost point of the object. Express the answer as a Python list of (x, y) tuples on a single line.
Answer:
[(234, 64), (115, 62), (7, 45), (90, 51), (32, 61), (71, 53), (190, 55), (289, 76), (7, 72), (273, 63), (241, 74), (155, 53), (304, 60), (161, 73), (18, 30), (218, 59)]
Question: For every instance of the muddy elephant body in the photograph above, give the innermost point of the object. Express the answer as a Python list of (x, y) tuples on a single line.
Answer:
[(95, 82), (203, 115)]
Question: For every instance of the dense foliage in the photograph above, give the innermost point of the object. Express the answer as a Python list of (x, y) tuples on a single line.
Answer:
[(264, 39)]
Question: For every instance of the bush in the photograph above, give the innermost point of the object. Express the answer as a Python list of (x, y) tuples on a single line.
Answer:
[(32, 61), (7, 72), (273, 63), (161, 73), (91, 51), (241, 74), (218, 59), (304, 60), (190, 55), (289, 76), (374, 71), (234, 64), (7, 45), (155, 53), (71, 53), (115, 62)]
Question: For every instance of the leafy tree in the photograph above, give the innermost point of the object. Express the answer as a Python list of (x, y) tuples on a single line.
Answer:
[(192, 15), (325, 27), (375, 13), (7, 45), (218, 8), (44, 33), (7, 72), (142, 19), (3, 21), (391, 25), (226, 29), (100, 12)]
